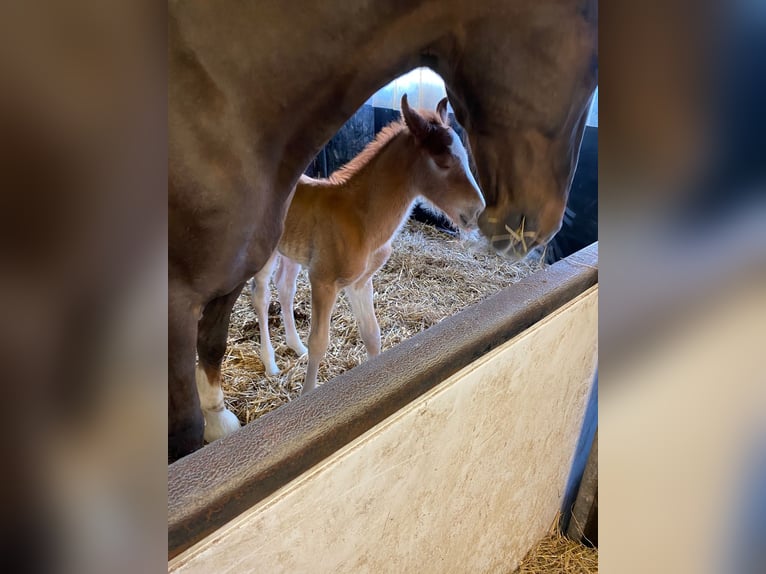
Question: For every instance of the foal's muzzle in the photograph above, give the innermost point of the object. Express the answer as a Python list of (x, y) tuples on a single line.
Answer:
[(470, 221)]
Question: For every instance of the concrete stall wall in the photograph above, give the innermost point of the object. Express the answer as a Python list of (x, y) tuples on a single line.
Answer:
[(465, 477)]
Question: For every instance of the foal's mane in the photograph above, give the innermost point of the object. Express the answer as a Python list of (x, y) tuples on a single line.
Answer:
[(344, 173)]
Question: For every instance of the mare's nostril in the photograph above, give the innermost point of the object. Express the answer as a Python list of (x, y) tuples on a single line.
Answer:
[(463, 220)]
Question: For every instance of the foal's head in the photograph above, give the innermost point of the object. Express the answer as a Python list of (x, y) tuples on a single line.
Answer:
[(441, 173)]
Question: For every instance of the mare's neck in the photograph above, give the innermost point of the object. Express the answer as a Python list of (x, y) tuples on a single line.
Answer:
[(308, 86)]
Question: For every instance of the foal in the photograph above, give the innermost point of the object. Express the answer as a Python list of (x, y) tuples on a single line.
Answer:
[(341, 228)]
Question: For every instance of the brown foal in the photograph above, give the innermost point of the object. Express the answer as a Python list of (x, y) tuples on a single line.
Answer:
[(341, 228)]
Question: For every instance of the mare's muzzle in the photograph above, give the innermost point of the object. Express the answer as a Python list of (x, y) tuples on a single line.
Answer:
[(513, 237)]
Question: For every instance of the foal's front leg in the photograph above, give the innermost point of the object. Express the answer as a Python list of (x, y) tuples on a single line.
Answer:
[(360, 296), (211, 347), (323, 296)]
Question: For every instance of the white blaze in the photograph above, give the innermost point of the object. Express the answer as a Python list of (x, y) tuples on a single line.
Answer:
[(457, 149)]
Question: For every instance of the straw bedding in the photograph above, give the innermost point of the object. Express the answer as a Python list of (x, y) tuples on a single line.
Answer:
[(557, 554), (429, 276)]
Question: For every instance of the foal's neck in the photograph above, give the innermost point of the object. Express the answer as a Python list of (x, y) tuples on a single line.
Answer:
[(384, 191)]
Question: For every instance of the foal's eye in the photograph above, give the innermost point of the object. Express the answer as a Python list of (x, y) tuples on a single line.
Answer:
[(442, 163)]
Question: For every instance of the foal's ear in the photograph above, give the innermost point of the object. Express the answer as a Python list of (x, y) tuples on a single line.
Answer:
[(417, 124), (441, 109)]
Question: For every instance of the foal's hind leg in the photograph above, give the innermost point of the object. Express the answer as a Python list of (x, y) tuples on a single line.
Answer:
[(260, 295), (211, 346), (360, 297), (287, 273)]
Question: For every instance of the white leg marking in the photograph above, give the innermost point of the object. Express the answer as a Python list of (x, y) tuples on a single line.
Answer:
[(219, 421), (364, 311), (286, 276), (259, 296)]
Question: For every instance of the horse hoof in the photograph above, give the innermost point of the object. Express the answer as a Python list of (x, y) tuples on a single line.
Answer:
[(299, 348), (269, 363), (218, 424)]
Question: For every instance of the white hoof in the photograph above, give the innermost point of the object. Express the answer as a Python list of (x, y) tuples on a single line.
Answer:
[(298, 347), (219, 423), (271, 370), (269, 363)]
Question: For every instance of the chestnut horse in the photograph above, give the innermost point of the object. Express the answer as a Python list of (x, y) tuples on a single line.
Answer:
[(256, 88), (341, 228)]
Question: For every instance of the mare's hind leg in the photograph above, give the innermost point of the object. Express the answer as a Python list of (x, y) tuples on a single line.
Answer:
[(287, 273), (360, 296), (185, 422), (211, 346), (260, 295), (323, 296)]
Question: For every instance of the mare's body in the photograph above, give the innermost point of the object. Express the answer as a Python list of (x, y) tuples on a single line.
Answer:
[(257, 87)]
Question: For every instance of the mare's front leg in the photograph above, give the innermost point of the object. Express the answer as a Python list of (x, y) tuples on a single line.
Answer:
[(360, 296), (211, 346), (323, 296), (185, 423), (260, 295), (287, 273)]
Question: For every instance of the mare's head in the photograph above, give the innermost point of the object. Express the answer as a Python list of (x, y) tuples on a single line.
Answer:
[(520, 80), (441, 173)]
